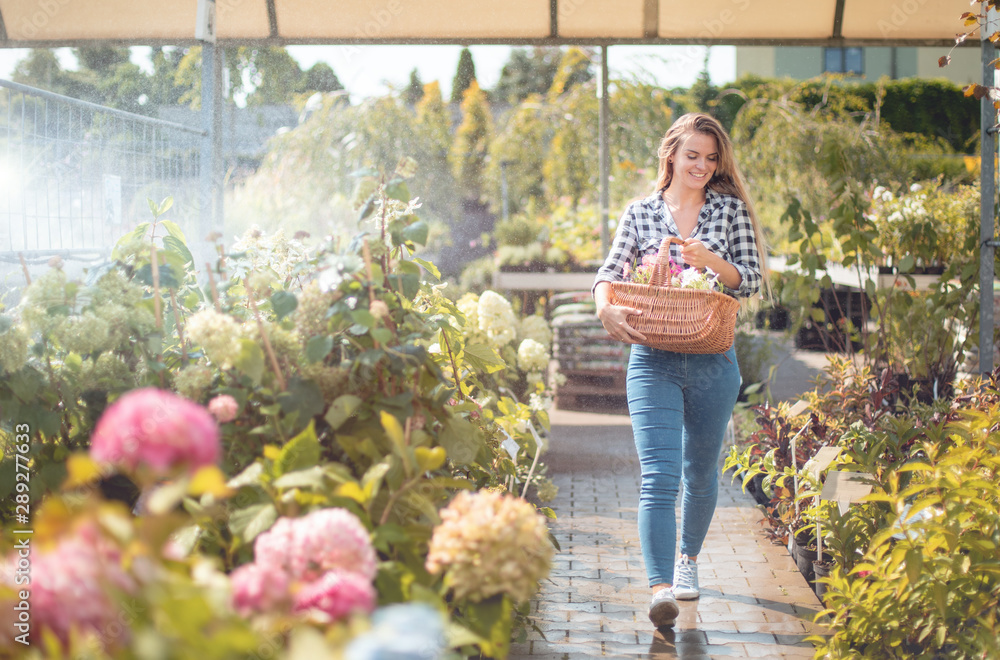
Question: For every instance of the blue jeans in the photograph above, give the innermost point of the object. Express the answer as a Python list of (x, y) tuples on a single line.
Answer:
[(680, 405)]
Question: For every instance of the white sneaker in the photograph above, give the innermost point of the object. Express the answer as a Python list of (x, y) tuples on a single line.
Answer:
[(686, 579), (663, 609)]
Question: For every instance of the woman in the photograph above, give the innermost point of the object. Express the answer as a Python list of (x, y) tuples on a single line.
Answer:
[(680, 404)]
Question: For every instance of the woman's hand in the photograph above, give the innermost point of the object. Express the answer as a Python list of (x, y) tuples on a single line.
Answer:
[(615, 322), (614, 317), (697, 255)]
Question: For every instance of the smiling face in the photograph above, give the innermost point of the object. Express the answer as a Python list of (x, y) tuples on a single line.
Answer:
[(695, 161)]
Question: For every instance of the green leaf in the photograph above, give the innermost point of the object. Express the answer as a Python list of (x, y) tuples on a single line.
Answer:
[(484, 358), (397, 189), (906, 264), (299, 453), (461, 439), (308, 478), (173, 230), (251, 360), (253, 520), (318, 347), (364, 318), (303, 396), (343, 408), (429, 267), (283, 303), (914, 564), (417, 232)]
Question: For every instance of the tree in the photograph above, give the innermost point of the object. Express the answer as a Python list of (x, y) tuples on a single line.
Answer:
[(525, 74), (101, 58), (433, 121), (574, 69), (571, 164), (163, 89), (703, 92), (41, 68), (415, 90), (269, 75), (321, 78), (464, 76), (518, 153), (471, 145)]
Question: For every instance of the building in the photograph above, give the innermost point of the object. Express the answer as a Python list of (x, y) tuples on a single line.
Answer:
[(872, 63)]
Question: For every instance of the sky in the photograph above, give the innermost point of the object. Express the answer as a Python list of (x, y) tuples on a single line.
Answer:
[(373, 70)]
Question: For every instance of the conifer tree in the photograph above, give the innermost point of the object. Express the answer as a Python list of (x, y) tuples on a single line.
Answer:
[(471, 145), (464, 76)]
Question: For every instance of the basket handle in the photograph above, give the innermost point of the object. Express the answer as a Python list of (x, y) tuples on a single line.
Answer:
[(661, 267)]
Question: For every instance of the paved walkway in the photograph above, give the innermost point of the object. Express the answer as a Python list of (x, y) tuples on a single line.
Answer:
[(754, 601)]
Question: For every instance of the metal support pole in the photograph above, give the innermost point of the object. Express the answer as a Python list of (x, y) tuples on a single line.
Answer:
[(211, 144), (988, 119), (604, 155)]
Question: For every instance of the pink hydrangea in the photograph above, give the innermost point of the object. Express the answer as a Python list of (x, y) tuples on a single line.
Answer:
[(336, 594), (157, 429), (72, 586), (259, 588), (318, 542), (224, 408)]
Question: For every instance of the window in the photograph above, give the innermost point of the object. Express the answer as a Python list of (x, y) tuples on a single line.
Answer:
[(843, 60)]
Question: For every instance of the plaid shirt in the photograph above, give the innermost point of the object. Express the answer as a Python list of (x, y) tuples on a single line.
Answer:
[(723, 226)]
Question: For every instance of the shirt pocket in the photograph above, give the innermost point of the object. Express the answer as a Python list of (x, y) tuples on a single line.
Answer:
[(650, 245), (717, 245)]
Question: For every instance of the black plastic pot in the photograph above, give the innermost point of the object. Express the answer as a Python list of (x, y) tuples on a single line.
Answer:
[(803, 555), (821, 569), (756, 488)]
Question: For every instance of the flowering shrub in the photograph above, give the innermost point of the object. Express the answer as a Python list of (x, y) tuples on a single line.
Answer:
[(346, 386), (489, 544), (156, 430), (321, 541), (73, 586)]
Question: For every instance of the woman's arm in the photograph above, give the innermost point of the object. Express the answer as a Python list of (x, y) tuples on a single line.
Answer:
[(614, 317)]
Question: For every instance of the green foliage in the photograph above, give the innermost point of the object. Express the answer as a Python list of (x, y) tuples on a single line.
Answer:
[(465, 75), (470, 147), (359, 386), (928, 582), (526, 74)]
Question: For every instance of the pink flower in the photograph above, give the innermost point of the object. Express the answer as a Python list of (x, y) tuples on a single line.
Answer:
[(649, 260), (336, 594), (72, 586), (224, 408), (259, 588), (318, 542), (157, 429)]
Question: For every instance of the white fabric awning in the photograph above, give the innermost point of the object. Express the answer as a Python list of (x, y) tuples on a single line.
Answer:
[(52, 23)]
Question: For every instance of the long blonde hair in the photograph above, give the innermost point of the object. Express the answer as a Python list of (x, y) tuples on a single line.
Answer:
[(727, 179)]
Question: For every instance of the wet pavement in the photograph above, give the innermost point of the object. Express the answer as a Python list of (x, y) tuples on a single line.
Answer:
[(754, 601)]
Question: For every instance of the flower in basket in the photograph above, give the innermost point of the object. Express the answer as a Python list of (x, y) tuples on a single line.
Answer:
[(692, 278), (643, 272), (156, 430), (489, 543)]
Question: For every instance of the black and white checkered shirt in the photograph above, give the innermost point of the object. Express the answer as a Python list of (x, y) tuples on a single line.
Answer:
[(723, 226)]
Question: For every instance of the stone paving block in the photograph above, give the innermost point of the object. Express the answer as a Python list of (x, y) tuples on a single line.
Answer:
[(726, 637)]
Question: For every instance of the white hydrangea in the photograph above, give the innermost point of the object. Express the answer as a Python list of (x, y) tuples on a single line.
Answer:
[(537, 328), (469, 306), (218, 334), (532, 356), (497, 319), (539, 403)]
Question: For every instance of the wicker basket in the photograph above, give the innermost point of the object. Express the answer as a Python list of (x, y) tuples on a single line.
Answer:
[(676, 319)]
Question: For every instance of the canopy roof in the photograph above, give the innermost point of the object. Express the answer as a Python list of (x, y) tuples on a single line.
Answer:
[(51, 23)]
